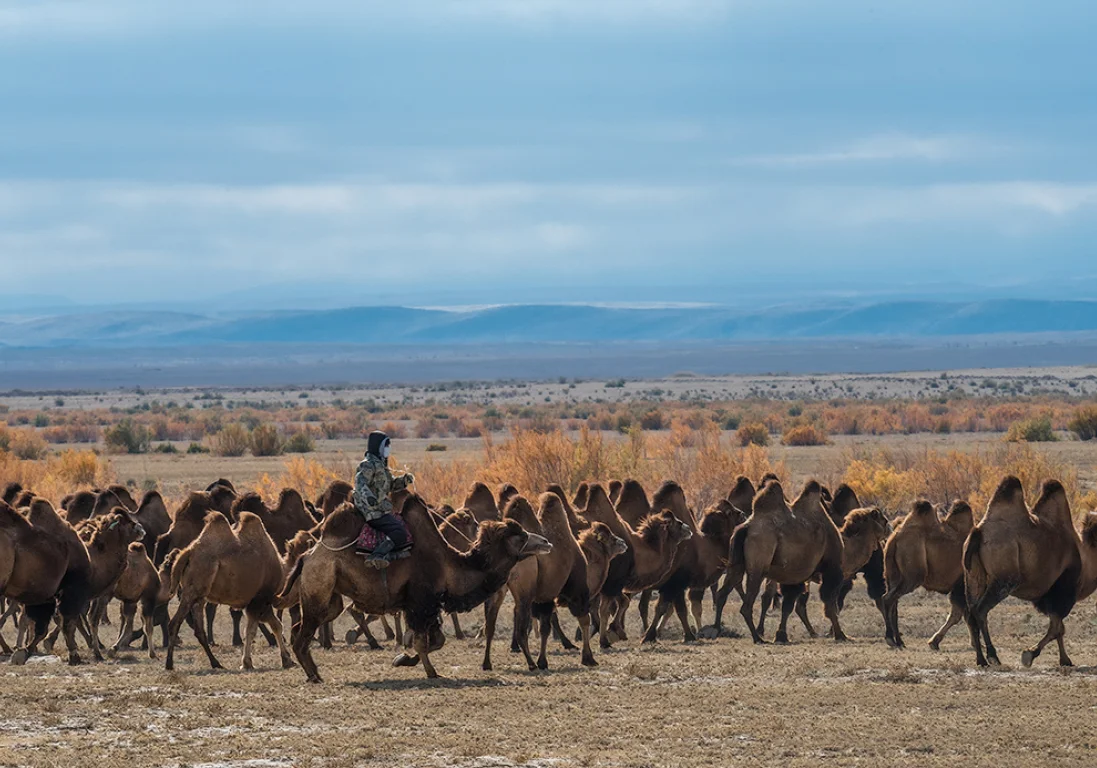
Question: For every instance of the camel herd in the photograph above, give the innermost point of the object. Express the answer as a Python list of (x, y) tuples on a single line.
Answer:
[(587, 554)]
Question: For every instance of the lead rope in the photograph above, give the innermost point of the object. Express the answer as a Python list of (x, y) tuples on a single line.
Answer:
[(439, 519)]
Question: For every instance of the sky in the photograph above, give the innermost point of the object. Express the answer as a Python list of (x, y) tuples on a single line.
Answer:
[(336, 152)]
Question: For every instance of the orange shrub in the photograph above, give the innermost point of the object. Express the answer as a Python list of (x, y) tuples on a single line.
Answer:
[(753, 434), (805, 434)]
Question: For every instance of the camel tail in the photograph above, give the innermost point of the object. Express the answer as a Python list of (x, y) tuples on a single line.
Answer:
[(292, 579), (737, 551), (971, 548), (178, 569)]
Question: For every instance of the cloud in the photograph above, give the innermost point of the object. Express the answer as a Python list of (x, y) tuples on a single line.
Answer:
[(874, 149)]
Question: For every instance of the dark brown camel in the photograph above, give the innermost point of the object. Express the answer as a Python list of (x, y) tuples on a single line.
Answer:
[(334, 496), (435, 578), (480, 503)]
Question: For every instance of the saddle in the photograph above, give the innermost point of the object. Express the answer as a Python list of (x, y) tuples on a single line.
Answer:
[(376, 546)]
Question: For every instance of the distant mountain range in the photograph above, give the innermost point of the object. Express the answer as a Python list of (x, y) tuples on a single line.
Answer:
[(545, 323)]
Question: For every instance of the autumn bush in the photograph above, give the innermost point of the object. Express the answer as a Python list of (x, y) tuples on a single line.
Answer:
[(1084, 422), (753, 433), (266, 441), (128, 436), (805, 434), (232, 440), (1035, 430), (300, 442), (27, 444)]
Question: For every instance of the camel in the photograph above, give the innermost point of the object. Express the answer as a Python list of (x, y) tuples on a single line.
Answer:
[(651, 553), (537, 583), (153, 516), (335, 495), (701, 561), (435, 578), (11, 491), (480, 503), (235, 565), (926, 551), (140, 585), (504, 494), (614, 489), (459, 530), (580, 499), (575, 522), (789, 545), (1032, 555), (284, 521)]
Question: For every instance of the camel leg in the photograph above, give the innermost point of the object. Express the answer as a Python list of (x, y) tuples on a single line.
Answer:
[(618, 625), (584, 627), (522, 619), (301, 642), (211, 614), (1064, 660), (398, 624), (148, 619), (421, 642), (4, 647), (769, 597), (688, 635), (389, 634), (605, 606), (364, 630), (790, 596), (802, 612), (251, 628), (978, 625), (890, 608), (644, 604), (696, 606), (955, 616), (457, 633), (661, 609), (125, 626), (270, 618), (732, 580), (558, 632), (545, 620), (69, 625), (1054, 630), (51, 639), (87, 629), (326, 638), (491, 613), (237, 617), (828, 593), (750, 594)]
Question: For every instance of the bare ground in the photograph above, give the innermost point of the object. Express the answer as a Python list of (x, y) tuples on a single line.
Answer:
[(718, 702)]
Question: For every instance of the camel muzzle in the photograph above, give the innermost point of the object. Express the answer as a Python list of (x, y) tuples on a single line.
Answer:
[(536, 545)]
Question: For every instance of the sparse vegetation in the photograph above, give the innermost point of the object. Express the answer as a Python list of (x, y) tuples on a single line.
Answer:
[(232, 440), (753, 433), (1084, 422), (1037, 430), (805, 434)]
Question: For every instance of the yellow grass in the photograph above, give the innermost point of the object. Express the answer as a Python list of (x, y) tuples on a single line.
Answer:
[(57, 475)]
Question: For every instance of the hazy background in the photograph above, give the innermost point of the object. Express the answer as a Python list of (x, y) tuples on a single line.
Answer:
[(216, 156)]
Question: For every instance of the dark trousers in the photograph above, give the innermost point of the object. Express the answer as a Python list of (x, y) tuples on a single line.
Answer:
[(391, 527)]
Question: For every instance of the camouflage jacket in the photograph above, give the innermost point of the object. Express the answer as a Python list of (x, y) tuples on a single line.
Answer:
[(373, 484)]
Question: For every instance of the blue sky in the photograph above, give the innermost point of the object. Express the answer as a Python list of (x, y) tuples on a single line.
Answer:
[(471, 151)]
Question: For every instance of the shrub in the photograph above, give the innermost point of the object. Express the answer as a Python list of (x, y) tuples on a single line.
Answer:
[(41, 420), (232, 440), (1084, 422), (653, 420), (1036, 430), (266, 441), (300, 442), (436, 447), (165, 448), (753, 433), (805, 434), (28, 444), (127, 436), (394, 430), (197, 448)]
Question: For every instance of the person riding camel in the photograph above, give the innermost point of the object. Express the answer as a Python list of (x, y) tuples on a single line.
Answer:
[(373, 485)]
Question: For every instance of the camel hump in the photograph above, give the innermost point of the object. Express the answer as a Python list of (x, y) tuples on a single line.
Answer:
[(810, 498), (550, 505), (520, 511), (598, 506), (922, 513), (770, 500), (216, 525), (251, 502), (1053, 503), (137, 548), (1008, 500), (960, 516), (11, 520), (480, 499), (844, 501), (632, 493), (1089, 530)]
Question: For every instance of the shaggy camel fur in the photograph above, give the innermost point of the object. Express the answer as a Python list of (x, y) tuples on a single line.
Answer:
[(1032, 555), (700, 563), (435, 578), (236, 566), (459, 530), (651, 553), (925, 551), (790, 546), (108, 552)]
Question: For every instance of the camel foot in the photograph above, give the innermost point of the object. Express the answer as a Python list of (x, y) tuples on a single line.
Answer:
[(247, 666), (760, 641), (351, 637), (841, 638), (315, 679), (781, 638), (287, 663), (542, 663), (75, 660), (486, 666), (588, 661), (215, 664), (933, 645), (406, 660), (373, 645), (1027, 658), (19, 658), (994, 660)]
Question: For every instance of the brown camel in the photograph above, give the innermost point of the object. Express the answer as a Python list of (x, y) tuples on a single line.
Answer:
[(140, 586), (229, 565), (459, 530), (925, 551), (1033, 555), (789, 545), (614, 490), (11, 490), (538, 583), (435, 578), (284, 521), (334, 496), (153, 516), (575, 522), (580, 499), (480, 503), (504, 494), (700, 563), (651, 553)]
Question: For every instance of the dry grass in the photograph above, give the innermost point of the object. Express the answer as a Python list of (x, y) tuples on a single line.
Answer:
[(723, 702)]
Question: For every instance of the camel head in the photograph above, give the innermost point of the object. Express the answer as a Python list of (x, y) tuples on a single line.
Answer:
[(719, 520), (867, 520), (599, 535), (249, 502), (119, 525), (509, 540)]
